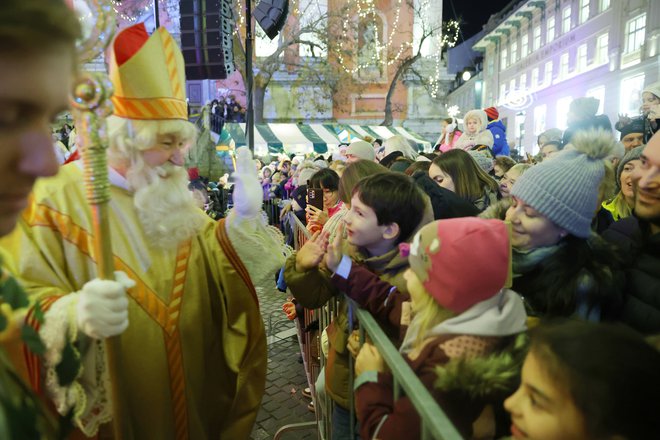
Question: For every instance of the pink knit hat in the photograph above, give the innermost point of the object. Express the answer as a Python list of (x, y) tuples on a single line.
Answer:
[(462, 261)]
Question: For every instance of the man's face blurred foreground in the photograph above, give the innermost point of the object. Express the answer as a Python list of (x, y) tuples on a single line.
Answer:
[(33, 91), (646, 183)]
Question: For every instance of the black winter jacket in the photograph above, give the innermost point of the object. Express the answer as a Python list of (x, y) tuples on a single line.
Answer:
[(446, 204), (583, 278), (641, 252)]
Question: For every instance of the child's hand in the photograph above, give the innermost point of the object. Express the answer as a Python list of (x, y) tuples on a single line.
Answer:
[(333, 252), (624, 119), (311, 254), (369, 359), (314, 214), (353, 343), (290, 310), (285, 211)]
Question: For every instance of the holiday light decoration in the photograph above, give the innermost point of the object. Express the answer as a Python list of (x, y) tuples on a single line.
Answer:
[(240, 23), (453, 111), (447, 38), (144, 5), (517, 99), (366, 10)]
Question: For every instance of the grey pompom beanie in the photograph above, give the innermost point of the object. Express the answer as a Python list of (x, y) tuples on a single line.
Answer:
[(564, 189), (483, 160)]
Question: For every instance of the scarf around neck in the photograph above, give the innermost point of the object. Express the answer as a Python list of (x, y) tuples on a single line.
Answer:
[(525, 261)]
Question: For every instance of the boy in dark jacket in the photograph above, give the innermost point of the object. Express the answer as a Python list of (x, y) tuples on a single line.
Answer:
[(386, 209), (497, 128)]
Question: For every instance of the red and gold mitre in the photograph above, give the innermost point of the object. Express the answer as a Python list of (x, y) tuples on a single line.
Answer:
[(148, 75)]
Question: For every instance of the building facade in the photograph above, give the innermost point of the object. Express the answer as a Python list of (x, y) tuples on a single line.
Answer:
[(540, 55), (373, 40)]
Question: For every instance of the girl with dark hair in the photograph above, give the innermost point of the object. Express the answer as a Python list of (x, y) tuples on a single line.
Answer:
[(327, 181), (457, 171), (587, 381)]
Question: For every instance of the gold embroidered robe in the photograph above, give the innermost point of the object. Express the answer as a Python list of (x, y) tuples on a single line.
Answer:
[(193, 360)]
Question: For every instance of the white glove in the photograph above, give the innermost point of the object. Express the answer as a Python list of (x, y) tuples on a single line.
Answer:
[(102, 309), (248, 194)]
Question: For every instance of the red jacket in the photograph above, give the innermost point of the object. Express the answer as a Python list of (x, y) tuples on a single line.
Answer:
[(451, 366)]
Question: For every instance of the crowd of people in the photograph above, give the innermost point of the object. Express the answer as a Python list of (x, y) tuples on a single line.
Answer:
[(525, 295), (463, 253), (228, 108)]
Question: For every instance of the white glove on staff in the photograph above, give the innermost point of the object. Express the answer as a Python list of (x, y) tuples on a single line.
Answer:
[(102, 309), (248, 194)]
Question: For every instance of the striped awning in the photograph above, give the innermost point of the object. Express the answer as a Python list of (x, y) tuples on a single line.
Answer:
[(308, 138)]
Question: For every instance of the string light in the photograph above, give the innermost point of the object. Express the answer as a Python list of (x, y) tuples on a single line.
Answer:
[(241, 18), (366, 9), (120, 6), (448, 38)]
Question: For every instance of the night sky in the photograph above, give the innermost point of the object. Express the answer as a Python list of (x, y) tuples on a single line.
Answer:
[(474, 14)]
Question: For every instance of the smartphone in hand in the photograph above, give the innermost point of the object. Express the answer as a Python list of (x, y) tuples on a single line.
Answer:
[(315, 197)]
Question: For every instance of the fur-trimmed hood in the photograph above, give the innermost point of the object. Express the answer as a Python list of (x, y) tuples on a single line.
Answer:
[(498, 210), (483, 376), (479, 114)]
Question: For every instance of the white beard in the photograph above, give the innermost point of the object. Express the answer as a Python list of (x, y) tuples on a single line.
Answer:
[(165, 207)]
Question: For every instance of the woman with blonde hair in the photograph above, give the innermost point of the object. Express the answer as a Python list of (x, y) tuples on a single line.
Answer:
[(510, 176), (621, 205), (502, 165), (457, 171)]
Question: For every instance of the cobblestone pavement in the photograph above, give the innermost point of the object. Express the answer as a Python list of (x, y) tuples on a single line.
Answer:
[(283, 402)]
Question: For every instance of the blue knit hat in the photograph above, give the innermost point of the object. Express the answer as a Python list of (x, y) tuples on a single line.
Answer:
[(565, 189)]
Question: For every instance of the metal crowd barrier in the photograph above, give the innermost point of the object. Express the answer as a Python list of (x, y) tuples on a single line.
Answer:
[(313, 361), (272, 209), (216, 122), (434, 422)]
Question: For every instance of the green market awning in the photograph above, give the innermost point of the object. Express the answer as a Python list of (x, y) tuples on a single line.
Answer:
[(278, 138), (303, 139), (384, 133)]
